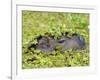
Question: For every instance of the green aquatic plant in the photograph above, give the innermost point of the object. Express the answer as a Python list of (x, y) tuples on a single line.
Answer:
[(36, 23)]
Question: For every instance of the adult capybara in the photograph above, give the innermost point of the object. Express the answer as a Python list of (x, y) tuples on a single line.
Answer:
[(74, 42)]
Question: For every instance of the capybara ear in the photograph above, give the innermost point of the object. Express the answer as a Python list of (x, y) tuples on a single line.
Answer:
[(66, 33), (39, 37), (74, 34)]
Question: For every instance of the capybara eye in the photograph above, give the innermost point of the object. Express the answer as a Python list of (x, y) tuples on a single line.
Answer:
[(61, 41)]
